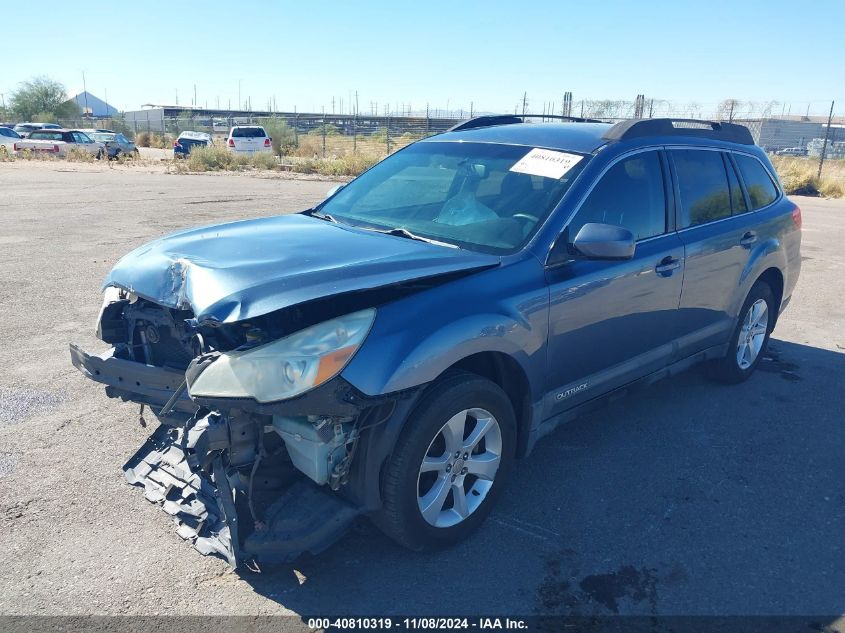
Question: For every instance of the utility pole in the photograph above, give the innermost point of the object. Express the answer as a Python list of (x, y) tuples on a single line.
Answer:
[(240, 103), (826, 136), (524, 102), (195, 95), (177, 96)]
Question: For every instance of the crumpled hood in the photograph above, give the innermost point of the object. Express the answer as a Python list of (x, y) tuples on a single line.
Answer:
[(240, 270)]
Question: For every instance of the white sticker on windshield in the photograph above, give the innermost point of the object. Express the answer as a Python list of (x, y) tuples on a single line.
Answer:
[(546, 163)]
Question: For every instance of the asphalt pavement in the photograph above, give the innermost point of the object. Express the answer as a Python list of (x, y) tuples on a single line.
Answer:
[(685, 498)]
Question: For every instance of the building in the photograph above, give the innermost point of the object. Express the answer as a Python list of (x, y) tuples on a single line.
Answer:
[(775, 134), (90, 105)]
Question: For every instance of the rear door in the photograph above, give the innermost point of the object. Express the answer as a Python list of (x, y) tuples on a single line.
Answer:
[(718, 233), (611, 322)]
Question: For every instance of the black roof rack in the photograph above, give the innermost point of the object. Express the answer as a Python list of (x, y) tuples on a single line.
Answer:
[(510, 119), (638, 128), (485, 121)]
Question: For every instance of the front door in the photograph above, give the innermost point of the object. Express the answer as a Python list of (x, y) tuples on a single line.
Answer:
[(611, 322)]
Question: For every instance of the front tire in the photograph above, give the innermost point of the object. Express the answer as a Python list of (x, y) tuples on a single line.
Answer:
[(450, 463), (750, 338)]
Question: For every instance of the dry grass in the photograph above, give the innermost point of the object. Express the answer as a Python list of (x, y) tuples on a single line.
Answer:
[(146, 139), (216, 158), (76, 155), (800, 176)]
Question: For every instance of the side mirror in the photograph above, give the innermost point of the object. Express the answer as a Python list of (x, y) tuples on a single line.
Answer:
[(334, 190), (604, 241)]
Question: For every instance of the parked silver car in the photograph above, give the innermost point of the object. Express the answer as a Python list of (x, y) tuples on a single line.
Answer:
[(116, 144)]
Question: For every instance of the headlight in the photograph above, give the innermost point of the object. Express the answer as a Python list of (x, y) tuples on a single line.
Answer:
[(287, 367)]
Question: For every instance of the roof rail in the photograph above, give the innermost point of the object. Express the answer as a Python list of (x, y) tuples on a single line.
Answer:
[(510, 119), (638, 128), (485, 121)]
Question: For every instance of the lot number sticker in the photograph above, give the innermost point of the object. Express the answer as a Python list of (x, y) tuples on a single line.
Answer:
[(546, 163)]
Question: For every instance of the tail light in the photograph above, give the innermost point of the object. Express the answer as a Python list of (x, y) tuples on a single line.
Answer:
[(16, 147), (266, 142), (796, 217), (231, 142), (175, 144), (55, 149)]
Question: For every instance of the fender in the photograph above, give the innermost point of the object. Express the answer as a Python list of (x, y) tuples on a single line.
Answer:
[(465, 317)]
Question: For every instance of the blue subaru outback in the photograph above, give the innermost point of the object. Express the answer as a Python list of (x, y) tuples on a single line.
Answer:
[(393, 350)]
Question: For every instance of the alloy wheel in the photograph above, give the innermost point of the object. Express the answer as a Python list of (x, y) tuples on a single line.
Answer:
[(459, 467), (752, 334)]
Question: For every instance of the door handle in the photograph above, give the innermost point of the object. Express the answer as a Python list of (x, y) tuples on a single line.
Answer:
[(749, 238), (667, 265)]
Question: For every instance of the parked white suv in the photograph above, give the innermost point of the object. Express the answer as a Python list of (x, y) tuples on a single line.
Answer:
[(249, 139)]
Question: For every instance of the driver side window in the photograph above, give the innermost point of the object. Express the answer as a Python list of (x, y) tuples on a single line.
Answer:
[(631, 195)]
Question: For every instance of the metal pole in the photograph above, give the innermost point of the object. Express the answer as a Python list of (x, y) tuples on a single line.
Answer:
[(85, 92), (826, 136)]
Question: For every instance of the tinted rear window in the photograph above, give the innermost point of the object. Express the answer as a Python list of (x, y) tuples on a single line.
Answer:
[(10, 133), (192, 141), (761, 189), (703, 185), (248, 132)]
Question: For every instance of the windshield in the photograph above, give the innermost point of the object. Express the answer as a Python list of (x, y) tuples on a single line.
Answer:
[(481, 196), (103, 138)]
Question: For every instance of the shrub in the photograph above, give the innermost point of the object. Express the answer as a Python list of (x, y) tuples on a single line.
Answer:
[(831, 189), (350, 165), (284, 138), (214, 159), (76, 155), (142, 139), (798, 176), (264, 160)]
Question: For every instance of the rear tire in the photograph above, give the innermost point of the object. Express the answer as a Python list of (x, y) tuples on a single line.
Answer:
[(450, 463), (750, 338)]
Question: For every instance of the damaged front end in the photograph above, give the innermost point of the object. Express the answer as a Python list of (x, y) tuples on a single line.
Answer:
[(259, 432)]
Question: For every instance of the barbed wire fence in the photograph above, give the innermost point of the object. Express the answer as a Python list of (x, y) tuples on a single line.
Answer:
[(381, 129)]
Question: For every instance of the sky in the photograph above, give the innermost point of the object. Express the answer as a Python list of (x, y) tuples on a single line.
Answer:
[(446, 54)]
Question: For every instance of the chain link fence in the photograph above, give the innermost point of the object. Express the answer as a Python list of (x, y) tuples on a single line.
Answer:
[(775, 126)]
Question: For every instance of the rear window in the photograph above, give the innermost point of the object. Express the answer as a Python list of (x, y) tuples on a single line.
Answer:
[(45, 135), (4, 131), (761, 189), (248, 132), (192, 141), (703, 185)]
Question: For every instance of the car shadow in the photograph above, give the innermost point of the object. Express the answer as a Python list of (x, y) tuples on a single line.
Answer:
[(684, 498)]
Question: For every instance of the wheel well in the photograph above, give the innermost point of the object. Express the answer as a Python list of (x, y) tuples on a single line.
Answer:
[(774, 279), (507, 374)]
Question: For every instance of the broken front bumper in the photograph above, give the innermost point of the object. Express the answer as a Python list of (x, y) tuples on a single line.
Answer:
[(202, 467), (210, 508)]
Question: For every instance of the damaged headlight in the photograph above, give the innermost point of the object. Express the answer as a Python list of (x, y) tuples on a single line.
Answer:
[(287, 367)]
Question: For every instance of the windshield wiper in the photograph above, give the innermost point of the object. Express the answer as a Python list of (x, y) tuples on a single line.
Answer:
[(403, 232), (320, 215)]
